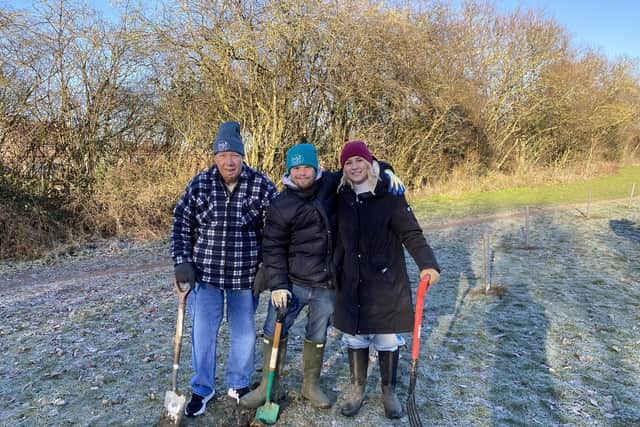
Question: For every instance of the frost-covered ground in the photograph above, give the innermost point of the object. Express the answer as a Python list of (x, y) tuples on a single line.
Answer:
[(87, 339)]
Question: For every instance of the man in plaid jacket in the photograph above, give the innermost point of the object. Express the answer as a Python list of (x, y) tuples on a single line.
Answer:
[(215, 245)]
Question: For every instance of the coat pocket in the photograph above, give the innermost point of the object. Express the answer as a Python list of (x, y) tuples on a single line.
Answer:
[(208, 213), (250, 215), (384, 271)]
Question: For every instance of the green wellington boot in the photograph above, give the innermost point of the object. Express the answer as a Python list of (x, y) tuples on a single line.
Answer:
[(257, 397), (312, 365)]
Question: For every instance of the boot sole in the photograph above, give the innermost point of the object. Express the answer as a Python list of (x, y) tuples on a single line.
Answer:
[(352, 412), (315, 404)]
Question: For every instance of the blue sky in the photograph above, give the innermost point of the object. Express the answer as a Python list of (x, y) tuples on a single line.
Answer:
[(611, 26)]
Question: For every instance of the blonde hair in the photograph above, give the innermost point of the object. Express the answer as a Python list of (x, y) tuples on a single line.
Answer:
[(373, 175)]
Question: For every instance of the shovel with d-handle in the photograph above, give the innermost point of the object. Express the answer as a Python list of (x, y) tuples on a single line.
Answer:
[(174, 402), (412, 410), (268, 413)]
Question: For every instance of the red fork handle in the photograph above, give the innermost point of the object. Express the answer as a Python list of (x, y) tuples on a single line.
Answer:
[(417, 320)]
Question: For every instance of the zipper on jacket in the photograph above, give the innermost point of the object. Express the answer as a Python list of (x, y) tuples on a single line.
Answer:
[(317, 204), (359, 255)]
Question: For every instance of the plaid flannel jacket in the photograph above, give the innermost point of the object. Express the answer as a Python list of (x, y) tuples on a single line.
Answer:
[(221, 233)]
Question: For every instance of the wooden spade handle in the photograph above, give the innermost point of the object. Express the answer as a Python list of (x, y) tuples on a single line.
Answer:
[(177, 342)]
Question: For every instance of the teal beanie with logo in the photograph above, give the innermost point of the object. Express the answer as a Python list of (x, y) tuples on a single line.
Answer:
[(302, 154)]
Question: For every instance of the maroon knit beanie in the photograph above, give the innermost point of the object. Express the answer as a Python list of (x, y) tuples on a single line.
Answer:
[(355, 148)]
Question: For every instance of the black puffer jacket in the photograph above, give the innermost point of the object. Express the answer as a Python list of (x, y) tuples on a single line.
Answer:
[(374, 296), (299, 233)]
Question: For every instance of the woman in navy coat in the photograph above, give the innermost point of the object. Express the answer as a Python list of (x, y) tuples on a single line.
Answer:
[(373, 300)]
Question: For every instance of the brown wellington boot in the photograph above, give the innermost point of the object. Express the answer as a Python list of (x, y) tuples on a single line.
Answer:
[(358, 363), (388, 374), (257, 397)]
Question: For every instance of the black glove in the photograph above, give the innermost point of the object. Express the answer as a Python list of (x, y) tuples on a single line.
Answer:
[(185, 274), (260, 282)]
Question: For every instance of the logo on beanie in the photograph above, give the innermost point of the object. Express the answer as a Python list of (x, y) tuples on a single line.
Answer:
[(223, 145), (302, 154)]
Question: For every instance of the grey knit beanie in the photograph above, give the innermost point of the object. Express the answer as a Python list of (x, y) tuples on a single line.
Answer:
[(228, 139)]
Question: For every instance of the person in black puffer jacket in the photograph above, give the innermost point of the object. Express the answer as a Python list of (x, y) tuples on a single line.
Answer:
[(298, 247)]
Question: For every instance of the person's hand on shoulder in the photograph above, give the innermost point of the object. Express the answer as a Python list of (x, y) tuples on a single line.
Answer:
[(396, 186)]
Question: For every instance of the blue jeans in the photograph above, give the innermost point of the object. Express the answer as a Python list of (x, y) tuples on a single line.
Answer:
[(381, 342), (206, 307), (320, 301)]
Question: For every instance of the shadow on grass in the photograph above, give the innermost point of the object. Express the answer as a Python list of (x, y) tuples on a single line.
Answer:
[(602, 294), (566, 334), (444, 322), (626, 229), (489, 364), (521, 391)]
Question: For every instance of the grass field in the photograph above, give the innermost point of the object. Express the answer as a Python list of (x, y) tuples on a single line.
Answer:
[(456, 205)]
